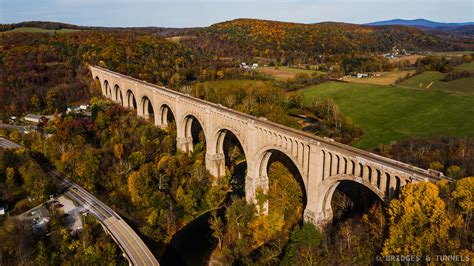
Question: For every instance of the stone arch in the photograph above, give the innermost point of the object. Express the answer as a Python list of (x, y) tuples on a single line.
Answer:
[(131, 100), (98, 83), (324, 166), (108, 90), (118, 94), (165, 115), (386, 189), (338, 161), (370, 174), (275, 153), (331, 158), (146, 107), (263, 157), (345, 166), (219, 137), (379, 178), (218, 147), (329, 186), (192, 128)]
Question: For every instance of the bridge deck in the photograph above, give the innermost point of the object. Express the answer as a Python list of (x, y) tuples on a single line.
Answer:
[(310, 138)]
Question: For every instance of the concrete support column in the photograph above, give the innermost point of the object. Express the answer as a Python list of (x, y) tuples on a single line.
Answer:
[(315, 177), (327, 165), (375, 176), (342, 166), (357, 169), (215, 164), (184, 144), (383, 184), (393, 187), (365, 174), (334, 166)]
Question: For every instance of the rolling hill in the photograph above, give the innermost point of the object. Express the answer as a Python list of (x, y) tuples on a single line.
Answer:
[(419, 23), (246, 38)]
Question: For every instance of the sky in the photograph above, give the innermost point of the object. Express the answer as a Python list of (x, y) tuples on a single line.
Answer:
[(196, 13)]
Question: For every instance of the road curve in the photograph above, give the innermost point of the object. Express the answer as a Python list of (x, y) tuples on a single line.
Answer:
[(135, 249)]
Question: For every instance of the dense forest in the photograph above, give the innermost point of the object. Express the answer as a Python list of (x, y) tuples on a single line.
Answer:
[(310, 43), (23, 185), (135, 168)]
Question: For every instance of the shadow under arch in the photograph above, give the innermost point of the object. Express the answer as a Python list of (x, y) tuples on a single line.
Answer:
[(131, 100), (273, 155), (166, 115), (108, 90), (98, 84), (194, 130), (118, 95), (347, 196), (230, 147), (146, 108)]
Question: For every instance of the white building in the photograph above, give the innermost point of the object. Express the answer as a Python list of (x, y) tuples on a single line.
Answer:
[(33, 118)]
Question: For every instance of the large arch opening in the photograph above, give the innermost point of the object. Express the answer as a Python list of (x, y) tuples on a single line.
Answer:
[(98, 86), (108, 90), (147, 108), (131, 101), (229, 145), (118, 95), (349, 199), (166, 117), (286, 193), (194, 132)]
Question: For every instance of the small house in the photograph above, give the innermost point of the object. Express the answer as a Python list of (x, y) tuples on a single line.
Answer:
[(33, 118)]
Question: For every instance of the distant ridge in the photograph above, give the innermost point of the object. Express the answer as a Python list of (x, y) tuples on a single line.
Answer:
[(423, 23)]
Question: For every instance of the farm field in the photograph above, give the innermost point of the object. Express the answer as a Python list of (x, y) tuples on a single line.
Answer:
[(432, 81), (226, 83), (283, 73), (411, 58), (39, 30), (388, 113), (385, 78), (454, 53), (465, 67)]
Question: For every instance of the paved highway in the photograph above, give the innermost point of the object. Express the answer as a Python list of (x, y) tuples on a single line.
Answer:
[(20, 128), (137, 252), (7, 144)]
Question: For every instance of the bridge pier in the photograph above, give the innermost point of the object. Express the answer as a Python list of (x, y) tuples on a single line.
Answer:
[(215, 164), (184, 144), (253, 185)]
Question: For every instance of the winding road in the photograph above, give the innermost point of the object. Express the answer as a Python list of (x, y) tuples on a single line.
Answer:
[(130, 243)]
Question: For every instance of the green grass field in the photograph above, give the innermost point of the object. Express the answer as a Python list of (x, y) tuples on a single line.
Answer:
[(39, 30), (465, 67), (431, 81), (388, 113)]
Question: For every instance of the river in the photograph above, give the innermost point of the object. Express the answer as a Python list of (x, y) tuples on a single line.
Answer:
[(193, 244)]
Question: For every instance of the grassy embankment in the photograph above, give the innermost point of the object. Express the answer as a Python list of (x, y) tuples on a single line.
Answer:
[(388, 113)]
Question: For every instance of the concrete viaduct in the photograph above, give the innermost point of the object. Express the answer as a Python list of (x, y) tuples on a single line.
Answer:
[(321, 162)]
